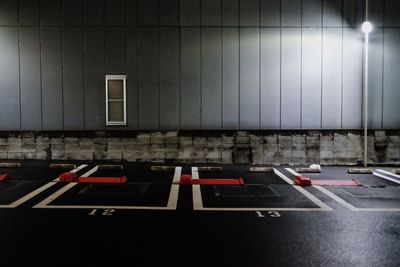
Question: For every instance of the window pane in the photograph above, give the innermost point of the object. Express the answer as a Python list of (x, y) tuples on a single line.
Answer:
[(115, 89), (116, 111)]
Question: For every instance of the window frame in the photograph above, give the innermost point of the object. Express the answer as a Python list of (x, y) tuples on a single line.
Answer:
[(116, 77)]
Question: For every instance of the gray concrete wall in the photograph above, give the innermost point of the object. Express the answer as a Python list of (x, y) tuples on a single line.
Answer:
[(197, 64), (239, 147)]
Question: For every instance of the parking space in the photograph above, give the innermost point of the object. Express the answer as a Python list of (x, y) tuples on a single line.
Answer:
[(260, 192), (27, 181), (144, 189), (378, 191)]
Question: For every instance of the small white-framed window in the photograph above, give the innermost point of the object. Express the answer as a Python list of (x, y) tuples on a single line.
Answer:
[(115, 99)]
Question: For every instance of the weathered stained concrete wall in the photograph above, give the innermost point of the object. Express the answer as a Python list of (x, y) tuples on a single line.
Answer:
[(239, 147)]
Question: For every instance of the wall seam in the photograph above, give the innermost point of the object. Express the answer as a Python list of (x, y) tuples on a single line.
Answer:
[(104, 53), (137, 64), (19, 67), (301, 64), (83, 67), (383, 63), (280, 65), (40, 66), (259, 64), (239, 85), (201, 67), (62, 64), (342, 66), (322, 61), (180, 64), (158, 65), (222, 65)]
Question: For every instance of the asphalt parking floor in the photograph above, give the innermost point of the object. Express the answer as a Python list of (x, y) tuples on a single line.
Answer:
[(153, 220)]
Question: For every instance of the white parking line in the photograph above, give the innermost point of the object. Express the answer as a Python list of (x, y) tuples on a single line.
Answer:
[(177, 175), (376, 173), (195, 173), (307, 194), (171, 204), (389, 173), (327, 192), (198, 202), (173, 194), (74, 171), (38, 191), (336, 198), (64, 189), (196, 191)]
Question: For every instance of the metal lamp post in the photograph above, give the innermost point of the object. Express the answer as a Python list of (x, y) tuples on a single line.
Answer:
[(366, 29)]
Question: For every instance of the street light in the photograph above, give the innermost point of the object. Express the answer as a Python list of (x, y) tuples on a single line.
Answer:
[(366, 29)]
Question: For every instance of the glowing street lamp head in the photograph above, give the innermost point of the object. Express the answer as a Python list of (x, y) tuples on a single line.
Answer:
[(366, 27)]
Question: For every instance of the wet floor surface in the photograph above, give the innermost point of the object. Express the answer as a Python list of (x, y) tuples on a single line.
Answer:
[(152, 220)]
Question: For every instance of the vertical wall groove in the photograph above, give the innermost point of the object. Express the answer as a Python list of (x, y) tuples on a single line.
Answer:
[(83, 66), (222, 65), (342, 60), (280, 64), (322, 59), (301, 64), (62, 66), (383, 60), (180, 63), (239, 26), (158, 65), (259, 65), (19, 66), (40, 62), (137, 64)]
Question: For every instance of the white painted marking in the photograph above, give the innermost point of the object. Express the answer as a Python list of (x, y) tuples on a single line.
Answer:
[(74, 171), (90, 172), (196, 191), (262, 209), (197, 198), (54, 196), (64, 189), (103, 207), (329, 193), (37, 191), (108, 212), (79, 168), (177, 175), (386, 177), (28, 196), (93, 212), (173, 197), (336, 198), (389, 173), (307, 194), (292, 172), (259, 214), (378, 209), (195, 173), (287, 179), (274, 214)]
